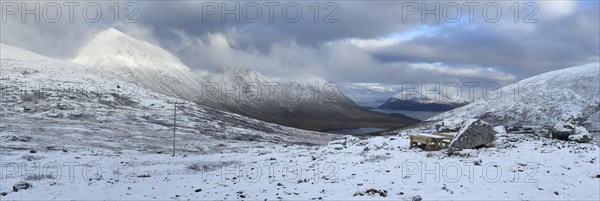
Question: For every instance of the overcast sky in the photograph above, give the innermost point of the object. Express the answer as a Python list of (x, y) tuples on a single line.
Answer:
[(369, 47)]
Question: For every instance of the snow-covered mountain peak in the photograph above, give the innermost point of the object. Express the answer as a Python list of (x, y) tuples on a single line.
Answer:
[(140, 62), (112, 34), (112, 48)]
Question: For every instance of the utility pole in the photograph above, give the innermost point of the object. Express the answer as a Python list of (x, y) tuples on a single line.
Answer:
[(174, 122)]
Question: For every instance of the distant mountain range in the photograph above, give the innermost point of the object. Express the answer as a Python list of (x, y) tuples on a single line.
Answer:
[(416, 101)]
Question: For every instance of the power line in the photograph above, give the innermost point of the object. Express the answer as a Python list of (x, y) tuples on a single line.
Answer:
[(174, 121)]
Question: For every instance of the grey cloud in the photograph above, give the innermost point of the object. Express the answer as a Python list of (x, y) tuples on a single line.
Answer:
[(480, 51), (526, 50), (355, 19)]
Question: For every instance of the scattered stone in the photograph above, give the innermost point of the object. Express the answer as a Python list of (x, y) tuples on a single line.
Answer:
[(21, 139), (3, 193), (555, 192), (581, 138), (372, 191), (21, 185), (570, 131), (417, 198), (32, 151), (544, 132), (279, 184), (350, 140), (512, 129)]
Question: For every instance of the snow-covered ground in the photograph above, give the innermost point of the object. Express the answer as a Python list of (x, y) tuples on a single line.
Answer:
[(520, 167)]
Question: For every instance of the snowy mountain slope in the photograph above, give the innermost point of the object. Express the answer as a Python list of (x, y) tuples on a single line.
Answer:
[(110, 113), (140, 62), (308, 104), (244, 86), (542, 100), (311, 103)]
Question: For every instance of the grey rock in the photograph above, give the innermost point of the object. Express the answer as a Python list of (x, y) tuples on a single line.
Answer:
[(22, 139), (570, 131), (21, 185), (474, 133), (581, 138)]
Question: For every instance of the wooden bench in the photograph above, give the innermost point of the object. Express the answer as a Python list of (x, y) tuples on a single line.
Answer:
[(448, 137), (430, 142)]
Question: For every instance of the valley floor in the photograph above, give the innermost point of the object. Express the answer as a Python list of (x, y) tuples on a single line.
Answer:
[(519, 167)]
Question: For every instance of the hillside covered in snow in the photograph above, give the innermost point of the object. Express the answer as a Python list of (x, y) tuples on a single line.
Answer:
[(108, 112), (543, 100)]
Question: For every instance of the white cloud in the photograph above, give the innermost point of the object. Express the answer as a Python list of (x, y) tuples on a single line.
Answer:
[(555, 9)]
